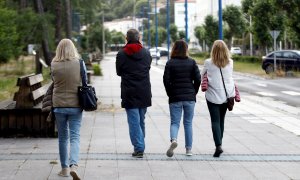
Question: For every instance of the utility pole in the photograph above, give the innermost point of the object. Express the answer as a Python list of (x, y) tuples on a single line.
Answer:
[(149, 33), (186, 20), (133, 17), (156, 33), (212, 7), (251, 43), (168, 27), (103, 36), (220, 21)]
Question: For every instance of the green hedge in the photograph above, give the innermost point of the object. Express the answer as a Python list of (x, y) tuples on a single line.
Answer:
[(202, 55), (250, 59), (97, 70)]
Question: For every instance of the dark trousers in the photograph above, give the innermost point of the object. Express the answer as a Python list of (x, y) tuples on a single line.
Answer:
[(217, 115)]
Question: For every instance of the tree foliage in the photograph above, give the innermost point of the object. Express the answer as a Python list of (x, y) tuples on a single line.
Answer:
[(211, 30), (8, 35), (266, 17), (232, 15)]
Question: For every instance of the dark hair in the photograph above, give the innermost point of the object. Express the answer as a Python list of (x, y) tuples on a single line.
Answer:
[(133, 36), (180, 50)]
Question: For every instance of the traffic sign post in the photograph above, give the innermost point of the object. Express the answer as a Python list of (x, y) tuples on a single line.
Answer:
[(274, 35)]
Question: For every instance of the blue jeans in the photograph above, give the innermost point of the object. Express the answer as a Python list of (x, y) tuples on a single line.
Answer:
[(188, 114), (136, 123), (68, 124)]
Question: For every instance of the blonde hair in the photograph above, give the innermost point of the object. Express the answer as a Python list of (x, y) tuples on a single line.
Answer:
[(66, 50), (220, 54)]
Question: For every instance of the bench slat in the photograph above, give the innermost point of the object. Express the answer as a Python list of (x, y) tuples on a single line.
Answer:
[(34, 79), (38, 93)]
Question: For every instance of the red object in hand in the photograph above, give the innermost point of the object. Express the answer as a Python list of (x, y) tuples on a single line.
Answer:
[(237, 97), (204, 83)]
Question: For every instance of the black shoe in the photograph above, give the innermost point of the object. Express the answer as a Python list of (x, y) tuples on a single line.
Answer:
[(218, 151), (138, 154)]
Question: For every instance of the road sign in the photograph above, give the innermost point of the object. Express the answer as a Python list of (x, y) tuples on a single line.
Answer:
[(274, 34)]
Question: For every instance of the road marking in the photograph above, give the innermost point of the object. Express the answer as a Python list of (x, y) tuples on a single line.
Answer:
[(292, 93), (262, 85), (265, 94), (258, 121)]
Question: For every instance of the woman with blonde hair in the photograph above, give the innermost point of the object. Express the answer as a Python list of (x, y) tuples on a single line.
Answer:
[(219, 70), (65, 71), (182, 82)]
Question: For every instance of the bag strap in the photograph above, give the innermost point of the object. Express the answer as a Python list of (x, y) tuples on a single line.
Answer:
[(223, 83), (82, 74)]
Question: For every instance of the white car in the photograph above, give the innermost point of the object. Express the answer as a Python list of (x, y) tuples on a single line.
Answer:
[(236, 50), (154, 54)]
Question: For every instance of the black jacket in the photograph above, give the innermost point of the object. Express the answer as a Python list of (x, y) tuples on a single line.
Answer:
[(182, 80), (133, 66)]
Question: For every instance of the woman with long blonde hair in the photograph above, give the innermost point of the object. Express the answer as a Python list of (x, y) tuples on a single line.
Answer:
[(219, 68), (65, 71)]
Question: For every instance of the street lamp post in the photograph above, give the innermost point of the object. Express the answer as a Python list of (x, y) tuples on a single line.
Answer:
[(149, 34), (168, 27), (186, 20), (103, 35), (220, 21), (251, 43)]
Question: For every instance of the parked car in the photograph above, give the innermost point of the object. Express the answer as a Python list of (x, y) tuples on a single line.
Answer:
[(163, 51), (236, 50), (285, 60), (154, 54)]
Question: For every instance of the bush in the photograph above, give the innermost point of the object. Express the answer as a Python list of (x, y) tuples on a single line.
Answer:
[(250, 59), (202, 55), (97, 70)]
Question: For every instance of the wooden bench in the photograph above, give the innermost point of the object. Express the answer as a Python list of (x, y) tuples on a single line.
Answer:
[(23, 115)]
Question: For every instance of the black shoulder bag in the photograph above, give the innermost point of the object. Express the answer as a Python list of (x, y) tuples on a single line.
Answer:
[(87, 95), (230, 100)]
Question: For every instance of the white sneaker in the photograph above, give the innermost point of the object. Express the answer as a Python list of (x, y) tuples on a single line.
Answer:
[(170, 151), (64, 172), (188, 152), (73, 172)]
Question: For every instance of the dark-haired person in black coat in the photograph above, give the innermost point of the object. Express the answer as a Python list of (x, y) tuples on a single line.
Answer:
[(182, 81), (133, 65)]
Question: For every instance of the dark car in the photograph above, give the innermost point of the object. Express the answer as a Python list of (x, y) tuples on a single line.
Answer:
[(285, 60)]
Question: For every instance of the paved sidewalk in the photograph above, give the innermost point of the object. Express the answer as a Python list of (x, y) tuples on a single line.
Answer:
[(259, 142)]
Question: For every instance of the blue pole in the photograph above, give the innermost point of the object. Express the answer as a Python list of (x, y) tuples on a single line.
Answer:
[(220, 21), (149, 33), (168, 27), (186, 21), (156, 26)]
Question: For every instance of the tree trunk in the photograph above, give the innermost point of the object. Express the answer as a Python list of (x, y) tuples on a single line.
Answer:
[(68, 19), (23, 4), (45, 43), (58, 20)]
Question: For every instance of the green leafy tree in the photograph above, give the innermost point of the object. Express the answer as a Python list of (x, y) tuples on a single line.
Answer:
[(211, 29), (117, 37), (199, 33), (181, 34), (266, 17), (232, 15), (8, 35), (173, 32), (162, 35), (247, 5), (292, 12), (95, 37)]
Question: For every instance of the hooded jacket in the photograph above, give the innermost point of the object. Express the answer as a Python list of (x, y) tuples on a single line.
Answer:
[(133, 64)]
